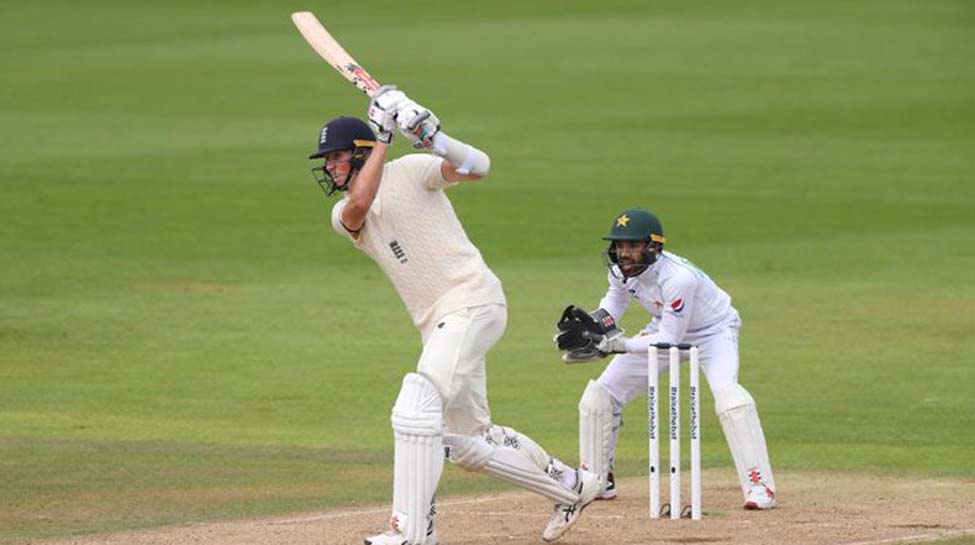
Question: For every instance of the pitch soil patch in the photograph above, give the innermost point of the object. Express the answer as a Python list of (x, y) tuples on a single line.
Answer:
[(814, 509)]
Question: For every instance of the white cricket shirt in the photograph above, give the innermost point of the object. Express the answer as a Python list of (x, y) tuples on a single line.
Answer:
[(686, 305), (413, 234)]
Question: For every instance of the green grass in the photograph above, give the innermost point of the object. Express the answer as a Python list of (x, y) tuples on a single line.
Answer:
[(965, 540), (183, 338)]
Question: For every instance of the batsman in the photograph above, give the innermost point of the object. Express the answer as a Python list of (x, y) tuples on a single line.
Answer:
[(686, 307), (399, 215)]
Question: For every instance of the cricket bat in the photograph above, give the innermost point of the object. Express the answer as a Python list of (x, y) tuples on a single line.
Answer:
[(329, 49)]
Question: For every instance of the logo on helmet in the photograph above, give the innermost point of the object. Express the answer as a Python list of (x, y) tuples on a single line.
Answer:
[(622, 220), (324, 136)]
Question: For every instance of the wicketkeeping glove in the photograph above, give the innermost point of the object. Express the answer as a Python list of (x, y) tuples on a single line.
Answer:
[(584, 336), (582, 355)]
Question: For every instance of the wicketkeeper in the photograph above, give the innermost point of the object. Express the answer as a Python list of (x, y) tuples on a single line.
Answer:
[(687, 307), (398, 214)]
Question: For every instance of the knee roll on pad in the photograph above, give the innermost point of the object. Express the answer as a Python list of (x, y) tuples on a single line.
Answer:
[(467, 451), (731, 397), (595, 398), (509, 437), (417, 420), (473, 453), (506, 463), (419, 407)]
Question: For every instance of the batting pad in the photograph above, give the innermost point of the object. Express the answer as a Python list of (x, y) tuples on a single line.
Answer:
[(598, 425), (746, 440), (507, 464), (418, 462), (509, 437)]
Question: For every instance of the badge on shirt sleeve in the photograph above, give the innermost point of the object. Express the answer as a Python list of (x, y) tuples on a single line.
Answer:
[(677, 305)]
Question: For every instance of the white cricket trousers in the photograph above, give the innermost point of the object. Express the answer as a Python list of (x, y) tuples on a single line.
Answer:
[(626, 375), (454, 359)]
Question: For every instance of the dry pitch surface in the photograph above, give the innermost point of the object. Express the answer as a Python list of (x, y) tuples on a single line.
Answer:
[(814, 509)]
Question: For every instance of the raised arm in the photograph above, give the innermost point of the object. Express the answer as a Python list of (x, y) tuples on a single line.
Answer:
[(364, 190), (383, 109), (462, 161)]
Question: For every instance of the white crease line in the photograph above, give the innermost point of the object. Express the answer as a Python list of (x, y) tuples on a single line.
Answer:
[(523, 514), (917, 538)]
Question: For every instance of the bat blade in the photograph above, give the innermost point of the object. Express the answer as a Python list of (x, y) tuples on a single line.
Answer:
[(329, 49)]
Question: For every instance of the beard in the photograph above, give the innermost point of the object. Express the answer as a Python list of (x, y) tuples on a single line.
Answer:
[(632, 267)]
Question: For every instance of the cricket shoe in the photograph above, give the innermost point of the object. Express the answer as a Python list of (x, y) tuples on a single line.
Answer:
[(760, 497), (393, 537), (609, 493), (565, 515)]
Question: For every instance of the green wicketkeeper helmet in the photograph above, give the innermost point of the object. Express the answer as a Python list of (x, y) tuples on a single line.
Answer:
[(636, 224)]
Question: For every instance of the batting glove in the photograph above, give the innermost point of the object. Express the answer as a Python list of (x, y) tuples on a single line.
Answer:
[(382, 112), (417, 124)]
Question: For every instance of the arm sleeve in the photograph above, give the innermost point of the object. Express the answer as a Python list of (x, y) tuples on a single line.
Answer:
[(678, 292), (337, 220), (616, 299)]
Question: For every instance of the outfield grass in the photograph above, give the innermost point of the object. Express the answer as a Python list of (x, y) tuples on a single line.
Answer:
[(968, 540), (182, 336)]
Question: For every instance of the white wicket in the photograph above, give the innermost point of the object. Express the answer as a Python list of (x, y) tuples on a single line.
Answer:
[(653, 391), (674, 380), (694, 395), (653, 387)]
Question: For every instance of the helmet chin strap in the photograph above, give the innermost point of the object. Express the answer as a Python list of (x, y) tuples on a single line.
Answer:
[(359, 156)]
